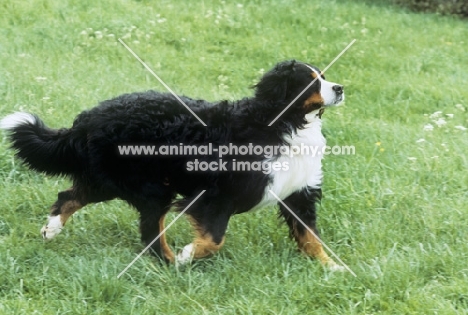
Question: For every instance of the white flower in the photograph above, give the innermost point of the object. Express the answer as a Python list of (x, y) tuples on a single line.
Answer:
[(435, 115), (440, 122), (420, 140), (39, 79), (449, 115), (461, 128), (223, 78), (428, 127), (412, 158), (223, 86)]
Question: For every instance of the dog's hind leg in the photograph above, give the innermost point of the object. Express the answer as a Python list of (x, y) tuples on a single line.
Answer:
[(152, 216), (66, 204), (209, 236)]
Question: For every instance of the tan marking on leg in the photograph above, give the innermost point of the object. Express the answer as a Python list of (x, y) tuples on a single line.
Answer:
[(55, 223), (311, 246), (167, 252), (68, 208), (204, 245)]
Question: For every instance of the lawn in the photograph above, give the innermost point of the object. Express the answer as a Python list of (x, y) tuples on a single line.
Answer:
[(396, 212)]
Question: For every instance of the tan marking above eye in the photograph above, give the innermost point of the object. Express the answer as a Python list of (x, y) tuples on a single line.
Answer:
[(314, 75)]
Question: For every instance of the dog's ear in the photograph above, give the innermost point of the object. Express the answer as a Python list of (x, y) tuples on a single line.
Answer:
[(274, 84), (285, 67)]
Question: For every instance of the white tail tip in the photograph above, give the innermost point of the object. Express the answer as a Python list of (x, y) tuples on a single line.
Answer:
[(16, 119)]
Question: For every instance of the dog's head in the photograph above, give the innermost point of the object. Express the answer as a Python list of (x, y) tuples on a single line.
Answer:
[(302, 83)]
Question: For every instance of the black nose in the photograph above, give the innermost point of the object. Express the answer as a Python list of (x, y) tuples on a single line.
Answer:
[(338, 89)]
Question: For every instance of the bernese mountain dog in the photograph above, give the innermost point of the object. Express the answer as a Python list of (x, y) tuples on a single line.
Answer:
[(91, 154)]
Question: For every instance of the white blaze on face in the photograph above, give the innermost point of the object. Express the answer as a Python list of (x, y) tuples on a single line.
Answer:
[(329, 96)]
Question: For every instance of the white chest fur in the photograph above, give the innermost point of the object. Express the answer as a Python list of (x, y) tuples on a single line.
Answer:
[(304, 167)]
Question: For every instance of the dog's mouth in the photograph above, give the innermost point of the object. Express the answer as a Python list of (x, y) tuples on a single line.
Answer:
[(339, 98)]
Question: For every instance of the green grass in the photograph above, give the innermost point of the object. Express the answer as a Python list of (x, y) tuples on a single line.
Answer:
[(396, 212)]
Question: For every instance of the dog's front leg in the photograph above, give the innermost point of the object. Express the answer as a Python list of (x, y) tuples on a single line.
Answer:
[(303, 204)]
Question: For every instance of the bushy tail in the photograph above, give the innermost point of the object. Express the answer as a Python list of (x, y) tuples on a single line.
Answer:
[(54, 152)]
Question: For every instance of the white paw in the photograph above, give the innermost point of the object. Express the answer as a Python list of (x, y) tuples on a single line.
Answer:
[(335, 267), (52, 228), (185, 256)]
